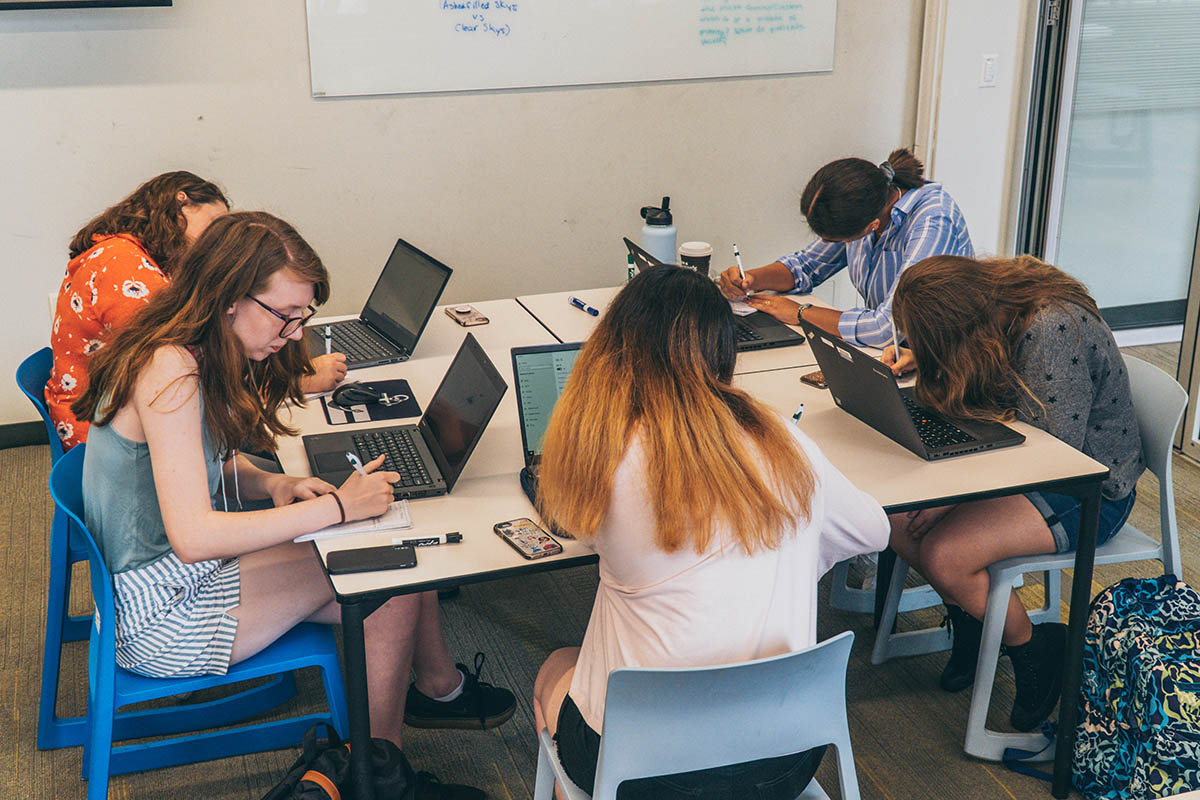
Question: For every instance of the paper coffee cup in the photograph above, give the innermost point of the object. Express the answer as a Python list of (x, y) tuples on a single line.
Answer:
[(695, 255)]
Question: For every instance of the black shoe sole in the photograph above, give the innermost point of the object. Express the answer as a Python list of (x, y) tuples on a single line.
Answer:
[(459, 723), (956, 683)]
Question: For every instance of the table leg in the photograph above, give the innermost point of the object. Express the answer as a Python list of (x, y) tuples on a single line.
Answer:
[(1081, 596), (883, 578), (355, 652)]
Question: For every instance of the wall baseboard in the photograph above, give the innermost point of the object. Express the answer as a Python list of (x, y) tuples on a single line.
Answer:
[(22, 434)]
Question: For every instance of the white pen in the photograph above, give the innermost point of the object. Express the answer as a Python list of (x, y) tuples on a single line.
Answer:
[(799, 413), (895, 345), (738, 256), (328, 340), (354, 462)]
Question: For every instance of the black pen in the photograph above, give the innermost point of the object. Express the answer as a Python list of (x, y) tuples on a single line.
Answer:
[(454, 537)]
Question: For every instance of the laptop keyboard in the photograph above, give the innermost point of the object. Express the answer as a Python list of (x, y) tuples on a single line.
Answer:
[(747, 334), (934, 432), (359, 343), (400, 451)]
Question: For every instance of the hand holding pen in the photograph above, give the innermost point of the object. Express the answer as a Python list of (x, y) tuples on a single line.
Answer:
[(368, 492)]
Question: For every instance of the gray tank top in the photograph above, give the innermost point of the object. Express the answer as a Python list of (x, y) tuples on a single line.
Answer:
[(120, 503)]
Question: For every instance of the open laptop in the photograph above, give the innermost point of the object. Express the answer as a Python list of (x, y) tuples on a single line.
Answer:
[(396, 312), (757, 331), (431, 455), (866, 388), (540, 373)]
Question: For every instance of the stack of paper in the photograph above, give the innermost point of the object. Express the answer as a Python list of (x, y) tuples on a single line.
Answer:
[(397, 516)]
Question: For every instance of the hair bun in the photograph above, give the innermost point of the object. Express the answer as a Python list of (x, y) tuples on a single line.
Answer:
[(888, 170)]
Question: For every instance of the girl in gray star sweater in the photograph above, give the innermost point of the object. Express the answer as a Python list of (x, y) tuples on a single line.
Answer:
[(1012, 339)]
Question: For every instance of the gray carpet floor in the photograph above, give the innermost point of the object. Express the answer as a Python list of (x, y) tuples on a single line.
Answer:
[(907, 734)]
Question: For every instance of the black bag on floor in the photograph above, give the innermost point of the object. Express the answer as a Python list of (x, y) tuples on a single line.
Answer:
[(322, 772)]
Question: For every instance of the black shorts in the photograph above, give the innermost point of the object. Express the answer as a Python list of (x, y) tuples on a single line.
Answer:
[(782, 778)]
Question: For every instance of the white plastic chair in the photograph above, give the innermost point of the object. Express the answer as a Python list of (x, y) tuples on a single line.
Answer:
[(666, 721), (1159, 403)]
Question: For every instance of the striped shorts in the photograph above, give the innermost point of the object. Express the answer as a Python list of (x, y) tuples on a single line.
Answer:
[(171, 620)]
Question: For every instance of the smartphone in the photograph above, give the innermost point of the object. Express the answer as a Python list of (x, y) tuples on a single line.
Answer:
[(817, 379), (524, 536), (370, 559), (466, 316)]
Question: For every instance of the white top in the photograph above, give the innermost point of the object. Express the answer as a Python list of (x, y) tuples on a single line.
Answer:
[(657, 609)]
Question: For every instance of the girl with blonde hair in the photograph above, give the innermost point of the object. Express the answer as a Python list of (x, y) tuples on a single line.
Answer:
[(713, 519)]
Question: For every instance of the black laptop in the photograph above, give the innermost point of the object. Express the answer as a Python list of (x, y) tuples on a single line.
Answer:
[(396, 313), (865, 387), (540, 373), (757, 331), (431, 455)]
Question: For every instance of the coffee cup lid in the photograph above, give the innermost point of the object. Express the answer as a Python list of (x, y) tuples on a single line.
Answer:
[(695, 249)]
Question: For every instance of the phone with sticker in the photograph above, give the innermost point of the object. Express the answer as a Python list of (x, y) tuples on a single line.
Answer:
[(524, 536), (817, 379), (466, 315)]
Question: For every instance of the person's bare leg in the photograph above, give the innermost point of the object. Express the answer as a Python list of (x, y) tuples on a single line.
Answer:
[(550, 689), (285, 585), (955, 553), (435, 673)]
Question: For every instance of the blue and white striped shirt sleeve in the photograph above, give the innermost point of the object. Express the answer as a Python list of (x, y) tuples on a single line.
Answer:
[(930, 234), (815, 264)]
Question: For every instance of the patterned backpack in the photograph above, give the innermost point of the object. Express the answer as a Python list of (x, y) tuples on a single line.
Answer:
[(1139, 705)]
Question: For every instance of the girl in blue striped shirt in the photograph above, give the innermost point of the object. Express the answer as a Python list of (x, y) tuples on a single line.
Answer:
[(874, 220)]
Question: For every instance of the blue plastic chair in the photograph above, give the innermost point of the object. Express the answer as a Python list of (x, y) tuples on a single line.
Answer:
[(666, 721), (55, 731), (111, 688)]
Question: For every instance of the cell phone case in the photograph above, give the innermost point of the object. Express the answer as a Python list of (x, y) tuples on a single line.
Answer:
[(370, 559), (466, 318), (530, 542), (817, 379)]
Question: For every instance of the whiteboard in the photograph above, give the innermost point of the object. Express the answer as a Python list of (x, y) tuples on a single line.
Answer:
[(359, 47)]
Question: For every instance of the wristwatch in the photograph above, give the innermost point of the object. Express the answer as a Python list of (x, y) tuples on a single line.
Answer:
[(800, 311)]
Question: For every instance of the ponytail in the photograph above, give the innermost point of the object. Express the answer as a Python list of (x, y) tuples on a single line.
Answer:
[(844, 196)]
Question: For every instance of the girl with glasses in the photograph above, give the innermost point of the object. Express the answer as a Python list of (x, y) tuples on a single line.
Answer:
[(203, 370)]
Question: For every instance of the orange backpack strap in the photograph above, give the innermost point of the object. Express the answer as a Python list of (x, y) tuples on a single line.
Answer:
[(322, 780)]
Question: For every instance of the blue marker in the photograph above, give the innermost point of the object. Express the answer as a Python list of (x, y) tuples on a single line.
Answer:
[(582, 306)]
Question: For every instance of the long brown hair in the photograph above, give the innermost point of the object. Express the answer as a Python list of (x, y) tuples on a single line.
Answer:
[(964, 319), (235, 257), (153, 215), (659, 366), (843, 196)]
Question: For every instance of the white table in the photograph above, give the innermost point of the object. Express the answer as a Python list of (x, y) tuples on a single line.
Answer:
[(570, 324), (489, 490)]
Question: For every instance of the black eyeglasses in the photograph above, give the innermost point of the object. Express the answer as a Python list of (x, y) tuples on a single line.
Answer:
[(290, 324)]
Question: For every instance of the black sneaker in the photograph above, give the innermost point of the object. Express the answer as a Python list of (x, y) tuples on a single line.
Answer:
[(428, 787), (959, 672), (479, 707), (1037, 671)]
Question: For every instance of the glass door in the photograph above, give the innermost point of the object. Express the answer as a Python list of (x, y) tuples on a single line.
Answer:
[(1125, 180)]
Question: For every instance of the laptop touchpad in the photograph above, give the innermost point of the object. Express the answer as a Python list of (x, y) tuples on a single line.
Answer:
[(332, 462)]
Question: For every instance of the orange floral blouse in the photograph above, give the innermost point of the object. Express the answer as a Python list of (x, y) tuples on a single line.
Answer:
[(105, 287)]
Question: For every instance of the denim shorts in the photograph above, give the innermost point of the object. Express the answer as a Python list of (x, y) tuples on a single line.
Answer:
[(782, 778), (1062, 512)]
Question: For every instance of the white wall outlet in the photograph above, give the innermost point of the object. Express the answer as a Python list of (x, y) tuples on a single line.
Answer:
[(987, 72)]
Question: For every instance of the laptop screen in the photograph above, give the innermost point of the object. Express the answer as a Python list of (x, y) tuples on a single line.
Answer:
[(406, 293), (540, 374), (461, 408)]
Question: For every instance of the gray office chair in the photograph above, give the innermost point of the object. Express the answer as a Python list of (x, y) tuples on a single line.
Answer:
[(759, 709), (1159, 403)]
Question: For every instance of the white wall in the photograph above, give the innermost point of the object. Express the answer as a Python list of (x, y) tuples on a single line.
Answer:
[(519, 191), (974, 141)]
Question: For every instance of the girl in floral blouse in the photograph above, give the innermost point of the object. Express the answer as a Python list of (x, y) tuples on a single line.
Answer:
[(118, 260)]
